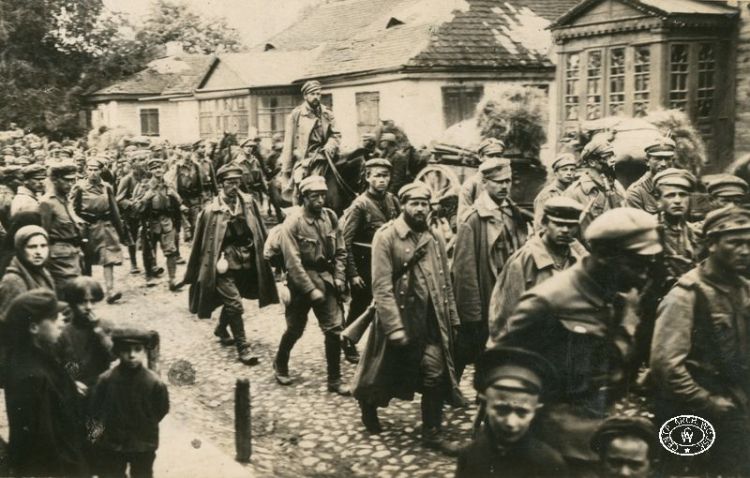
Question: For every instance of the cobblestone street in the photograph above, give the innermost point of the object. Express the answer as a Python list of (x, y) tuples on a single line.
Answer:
[(301, 430)]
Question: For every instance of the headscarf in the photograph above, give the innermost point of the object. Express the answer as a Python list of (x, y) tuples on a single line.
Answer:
[(24, 235)]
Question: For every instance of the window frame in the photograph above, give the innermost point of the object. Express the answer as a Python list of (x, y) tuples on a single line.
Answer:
[(144, 109), (464, 91)]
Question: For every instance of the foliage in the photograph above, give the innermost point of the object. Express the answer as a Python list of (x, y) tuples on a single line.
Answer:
[(174, 21), (518, 116)]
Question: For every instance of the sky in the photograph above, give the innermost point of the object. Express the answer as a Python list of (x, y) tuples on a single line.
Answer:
[(256, 20)]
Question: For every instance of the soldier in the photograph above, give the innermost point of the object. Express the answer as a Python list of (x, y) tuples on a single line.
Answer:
[(554, 249), (230, 229), (160, 208), (583, 323), (471, 189), (127, 202), (492, 230), (189, 185), (208, 175), (625, 446), (410, 345), (399, 161), (659, 156), (368, 212), (28, 194), (563, 170), (725, 189), (8, 186), (511, 383), (253, 180), (597, 188), (310, 134), (700, 357), (62, 224), (315, 258)]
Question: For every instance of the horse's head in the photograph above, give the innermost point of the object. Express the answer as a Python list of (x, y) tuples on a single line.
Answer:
[(229, 139)]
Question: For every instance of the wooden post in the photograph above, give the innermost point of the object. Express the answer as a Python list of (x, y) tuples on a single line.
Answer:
[(242, 420)]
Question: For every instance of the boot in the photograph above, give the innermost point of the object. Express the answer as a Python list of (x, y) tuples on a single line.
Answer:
[(333, 364), (432, 416), (109, 281), (172, 270), (221, 330), (281, 362), (351, 354), (133, 261), (370, 417), (238, 331)]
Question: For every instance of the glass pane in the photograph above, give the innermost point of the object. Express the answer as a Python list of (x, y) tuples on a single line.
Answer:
[(616, 104), (706, 79), (572, 73), (678, 78), (642, 77), (594, 85)]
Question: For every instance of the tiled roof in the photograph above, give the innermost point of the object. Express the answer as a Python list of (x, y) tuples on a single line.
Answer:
[(165, 76), (268, 68), (352, 36)]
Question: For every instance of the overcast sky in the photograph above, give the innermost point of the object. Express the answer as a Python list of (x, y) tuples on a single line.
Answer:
[(256, 20)]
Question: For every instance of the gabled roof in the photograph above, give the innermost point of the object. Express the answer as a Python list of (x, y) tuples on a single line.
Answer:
[(174, 75), (658, 8), (365, 36), (268, 68)]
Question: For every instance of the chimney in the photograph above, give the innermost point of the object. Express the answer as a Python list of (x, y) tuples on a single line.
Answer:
[(174, 48)]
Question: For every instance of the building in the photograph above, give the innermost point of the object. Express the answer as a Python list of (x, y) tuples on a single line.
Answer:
[(626, 57), (157, 102)]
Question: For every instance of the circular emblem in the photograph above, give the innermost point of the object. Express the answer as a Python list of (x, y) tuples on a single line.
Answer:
[(687, 435)]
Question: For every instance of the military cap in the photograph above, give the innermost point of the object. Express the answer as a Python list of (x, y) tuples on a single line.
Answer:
[(53, 145), (95, 161), (67, 150), (313, 183), (147, 338), (143, 155), (388, 137), (130, 148), (513, 369), (598, 148), (9, 151), (415, 190), (185, 146), (675, 177), (142, 140), (34, 171), (378, 163), (228, 171), (23, 161), (251, 141), (309, 86), (564, 159), (661, 147), (64, 170), (39, 153), (626, 229), (563, 209), (615, 427), (490, 146), (725, 185), (368, 137), (154, 163), (729, 218), (13, 171), (496, 169)]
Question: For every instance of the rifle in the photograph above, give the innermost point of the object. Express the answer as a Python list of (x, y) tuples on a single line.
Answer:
[(357, 328)]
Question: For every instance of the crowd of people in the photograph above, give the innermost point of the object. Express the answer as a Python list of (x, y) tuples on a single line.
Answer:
[(599, 293)]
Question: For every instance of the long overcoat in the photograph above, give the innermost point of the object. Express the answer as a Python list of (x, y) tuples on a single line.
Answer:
[(386, 371), (299, 126), (201, 268)]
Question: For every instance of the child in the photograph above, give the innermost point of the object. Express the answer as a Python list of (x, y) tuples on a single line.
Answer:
[(86, 342), (129, 401)]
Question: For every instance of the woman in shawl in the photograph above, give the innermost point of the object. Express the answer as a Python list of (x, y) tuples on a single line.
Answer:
[(26, 269)]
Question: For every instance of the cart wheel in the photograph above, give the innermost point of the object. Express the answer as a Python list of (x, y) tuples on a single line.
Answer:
[(441, 181)]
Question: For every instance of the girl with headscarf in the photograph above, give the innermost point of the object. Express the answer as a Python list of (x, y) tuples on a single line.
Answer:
[(95, 202), (26, 269)]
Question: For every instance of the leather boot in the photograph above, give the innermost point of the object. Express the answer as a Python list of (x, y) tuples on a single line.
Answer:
[(333, 364), (432, 416), (370, 417), (237, 325), (221, 330), (351, 354), (172, 270), (281, 362)]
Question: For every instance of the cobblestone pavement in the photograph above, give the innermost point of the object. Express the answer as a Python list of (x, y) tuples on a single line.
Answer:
[(300, 430)]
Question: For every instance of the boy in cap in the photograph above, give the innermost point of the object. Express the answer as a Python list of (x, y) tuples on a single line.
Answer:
[(563, 171), (410, 345), (240, 247), (28, 194), (127, 404), (552, 250), (492, 229), (471, 189), (587, 309), (659, 156), (63, 226), (511, 383), (315, 257), (626, 446), (700, 357), (369, 211)]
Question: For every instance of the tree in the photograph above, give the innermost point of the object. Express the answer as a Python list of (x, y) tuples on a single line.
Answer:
[(175, 21)]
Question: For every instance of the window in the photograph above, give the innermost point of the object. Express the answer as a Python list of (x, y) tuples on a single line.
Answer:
[(706, 79), (224, 115), (326, 99), (460, 103), (368, 111), (642, 69), (594, 85), (679, 64), (150, 122), (616, 81), (272, 113), (572, 75)]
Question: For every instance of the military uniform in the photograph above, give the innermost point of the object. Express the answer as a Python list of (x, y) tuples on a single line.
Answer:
[(6, 197), (253, 181), (25, 199), (554, 189), (597, 194), (189, 186), (472, 188), (641, 194)]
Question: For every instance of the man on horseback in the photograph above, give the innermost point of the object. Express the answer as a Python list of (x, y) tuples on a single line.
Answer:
[(311, 139)]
